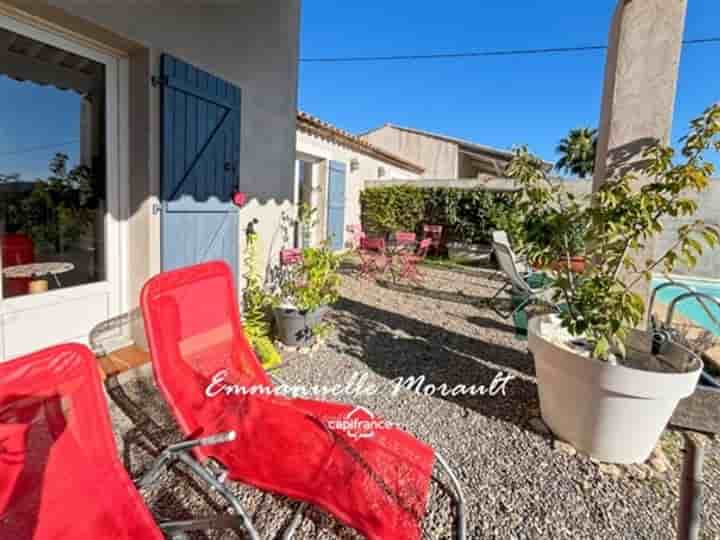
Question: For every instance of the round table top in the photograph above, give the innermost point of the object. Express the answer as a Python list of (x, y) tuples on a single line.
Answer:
[(37, 269)]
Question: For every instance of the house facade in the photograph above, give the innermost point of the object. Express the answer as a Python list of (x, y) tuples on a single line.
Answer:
[(441, 156), (331, 169), (165, 113)]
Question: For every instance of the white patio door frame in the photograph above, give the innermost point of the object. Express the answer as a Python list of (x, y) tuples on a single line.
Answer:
[(32, 321)]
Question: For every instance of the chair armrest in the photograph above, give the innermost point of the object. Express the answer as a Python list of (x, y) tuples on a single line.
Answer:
[(210, 440), (172, 452)]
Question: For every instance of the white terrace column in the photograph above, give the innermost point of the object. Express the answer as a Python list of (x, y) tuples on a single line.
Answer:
[(640, 82)]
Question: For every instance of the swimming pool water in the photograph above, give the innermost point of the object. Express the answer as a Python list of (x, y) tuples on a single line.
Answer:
[(691, 308)]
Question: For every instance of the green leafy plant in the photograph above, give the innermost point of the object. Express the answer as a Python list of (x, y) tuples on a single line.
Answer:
[(469, 215), (307, 219), (322, 330), (256, 305), (393, 208), (269, 356), (61, 208), (314, 281), (618, 224), (577, 152)]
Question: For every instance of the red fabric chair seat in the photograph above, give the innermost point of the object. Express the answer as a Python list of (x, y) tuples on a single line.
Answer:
[(61, 478), (377, 484)]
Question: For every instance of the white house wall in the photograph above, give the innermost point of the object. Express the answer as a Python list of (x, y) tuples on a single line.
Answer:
[(250, 43), (325, 150), (439, 158)]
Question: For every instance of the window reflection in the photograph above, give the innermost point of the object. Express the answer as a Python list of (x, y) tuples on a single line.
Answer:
[(52, 168)]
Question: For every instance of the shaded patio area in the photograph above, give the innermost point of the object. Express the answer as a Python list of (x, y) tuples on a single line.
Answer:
[(518, 482)]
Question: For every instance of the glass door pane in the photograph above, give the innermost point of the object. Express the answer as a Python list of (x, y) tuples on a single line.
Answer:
[(52, 167)]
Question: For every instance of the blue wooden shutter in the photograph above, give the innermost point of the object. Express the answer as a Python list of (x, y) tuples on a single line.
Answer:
[(200, 165), (336, 205)]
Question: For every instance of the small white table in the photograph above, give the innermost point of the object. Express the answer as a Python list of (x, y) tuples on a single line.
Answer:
[(38, 269)]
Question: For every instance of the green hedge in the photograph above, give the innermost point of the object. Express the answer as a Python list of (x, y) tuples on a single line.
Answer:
[(469, 215)]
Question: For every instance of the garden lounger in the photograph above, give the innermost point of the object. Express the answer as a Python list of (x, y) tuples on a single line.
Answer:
[(518, 284), (212, 381), (501, 237), (60, 474)]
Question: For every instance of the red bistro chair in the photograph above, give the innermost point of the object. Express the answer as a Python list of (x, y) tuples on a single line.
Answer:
[(376, 484), (290, 256), (410, 261), (404, 237), (357, 235), (60, 474), (434, 232), (373, 260)]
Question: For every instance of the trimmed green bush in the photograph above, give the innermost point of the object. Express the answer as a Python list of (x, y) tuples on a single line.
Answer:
[(469, 215), (396, 208)]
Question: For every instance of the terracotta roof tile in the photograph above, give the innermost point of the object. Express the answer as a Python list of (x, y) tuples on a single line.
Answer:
[(313, 125)]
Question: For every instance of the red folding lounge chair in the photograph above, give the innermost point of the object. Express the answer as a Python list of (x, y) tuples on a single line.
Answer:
[(60, 475), (212, 381)]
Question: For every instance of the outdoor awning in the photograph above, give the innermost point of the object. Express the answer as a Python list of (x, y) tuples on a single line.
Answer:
[(25, 59)]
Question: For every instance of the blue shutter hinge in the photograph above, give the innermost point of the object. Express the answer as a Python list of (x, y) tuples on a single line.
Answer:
[(157, 208), (159, 80)]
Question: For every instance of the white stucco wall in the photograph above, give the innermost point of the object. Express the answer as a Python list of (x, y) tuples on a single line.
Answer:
[(438, 158), (708, 265), (250, 43), (325, 150)]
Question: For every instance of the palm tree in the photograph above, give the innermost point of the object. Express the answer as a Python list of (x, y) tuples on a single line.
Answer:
[(577, 152)]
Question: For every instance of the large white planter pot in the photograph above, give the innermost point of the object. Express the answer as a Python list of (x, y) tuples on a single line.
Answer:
[(612, 413)]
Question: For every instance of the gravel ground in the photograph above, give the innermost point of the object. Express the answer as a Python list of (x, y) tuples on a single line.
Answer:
[(517, 484)]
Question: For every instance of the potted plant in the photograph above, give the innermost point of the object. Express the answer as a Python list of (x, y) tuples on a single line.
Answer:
[(306, 291), (604, 385), (575, 258), (257, 304)]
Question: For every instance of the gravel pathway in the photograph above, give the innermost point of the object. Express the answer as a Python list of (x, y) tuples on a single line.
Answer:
[(517, 483)]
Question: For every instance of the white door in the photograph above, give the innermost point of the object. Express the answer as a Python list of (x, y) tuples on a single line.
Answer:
[(59, 188)]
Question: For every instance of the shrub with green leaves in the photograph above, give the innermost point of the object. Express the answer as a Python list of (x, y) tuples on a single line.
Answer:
[(256, 301), (256, 306), (617, 226), (469, 215), (313, 282), (393, 208)]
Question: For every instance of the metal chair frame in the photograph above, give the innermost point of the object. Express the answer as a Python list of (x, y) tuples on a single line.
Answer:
[(216, 476), (516, 282)]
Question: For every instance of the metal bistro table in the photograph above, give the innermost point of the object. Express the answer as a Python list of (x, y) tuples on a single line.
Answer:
[(35, 270), (393, 250)]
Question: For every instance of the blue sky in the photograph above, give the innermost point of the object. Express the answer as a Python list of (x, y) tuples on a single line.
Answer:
[(495, 101), (35, 121)]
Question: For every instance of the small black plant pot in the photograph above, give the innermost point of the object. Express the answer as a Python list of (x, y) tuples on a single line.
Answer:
[(294, 328)]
